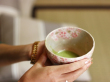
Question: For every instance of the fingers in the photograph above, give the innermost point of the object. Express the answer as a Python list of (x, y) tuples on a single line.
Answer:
[(42, 58), (71, 67), (48, 62), (74, 75)]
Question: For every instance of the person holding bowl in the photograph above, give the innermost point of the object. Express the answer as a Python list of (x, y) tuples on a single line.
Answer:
[(43, 70), (39, 72)]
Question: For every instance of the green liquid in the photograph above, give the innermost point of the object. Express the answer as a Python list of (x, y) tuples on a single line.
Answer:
[(65, 53)]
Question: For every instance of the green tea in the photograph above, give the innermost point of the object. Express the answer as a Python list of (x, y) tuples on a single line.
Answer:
[(65, 53)]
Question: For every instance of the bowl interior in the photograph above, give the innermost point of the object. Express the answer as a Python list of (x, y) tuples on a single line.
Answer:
[(68, 38)]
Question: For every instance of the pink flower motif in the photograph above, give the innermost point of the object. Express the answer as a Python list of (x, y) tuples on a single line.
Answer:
[(62, 59), (55, 59), (52, 34), (79, 30), (74, 35), (64, 33), (69, 29), (65, 59), (54, 37), (59, 30)]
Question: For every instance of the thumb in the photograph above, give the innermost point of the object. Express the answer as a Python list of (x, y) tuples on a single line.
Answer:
[(42, 59)]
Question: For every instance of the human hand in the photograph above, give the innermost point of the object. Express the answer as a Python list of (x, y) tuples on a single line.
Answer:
[(41, 46), (11, 54), (28, 49), (58, 73)]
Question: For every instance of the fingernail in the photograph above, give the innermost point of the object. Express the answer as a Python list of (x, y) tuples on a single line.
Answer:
[(89, 60), (89, 64)]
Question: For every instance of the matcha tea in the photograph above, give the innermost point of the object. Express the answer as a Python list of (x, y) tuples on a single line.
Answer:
[(65, 53)]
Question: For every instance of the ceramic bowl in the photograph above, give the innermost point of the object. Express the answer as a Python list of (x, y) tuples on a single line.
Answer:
[(73, 39)]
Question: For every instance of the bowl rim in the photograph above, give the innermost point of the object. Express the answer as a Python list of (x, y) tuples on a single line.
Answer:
[(71, 27)]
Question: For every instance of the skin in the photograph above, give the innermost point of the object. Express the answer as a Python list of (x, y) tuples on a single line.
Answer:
[(42, 70), (12, 54)]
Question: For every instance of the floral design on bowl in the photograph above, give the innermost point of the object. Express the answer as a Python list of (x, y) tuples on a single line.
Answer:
[(72, 39), (67, 33)]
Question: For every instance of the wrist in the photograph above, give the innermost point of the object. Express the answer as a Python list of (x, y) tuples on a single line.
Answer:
[(28, 49)]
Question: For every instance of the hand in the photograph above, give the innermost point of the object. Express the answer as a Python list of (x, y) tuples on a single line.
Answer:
[(28, 49), (11, 54), (59, 73), (40, 48)]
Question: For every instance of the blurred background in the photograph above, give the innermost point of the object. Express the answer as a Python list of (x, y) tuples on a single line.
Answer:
[(26, 21)]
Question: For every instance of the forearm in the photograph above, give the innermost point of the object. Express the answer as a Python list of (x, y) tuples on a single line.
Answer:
[(12, 54)]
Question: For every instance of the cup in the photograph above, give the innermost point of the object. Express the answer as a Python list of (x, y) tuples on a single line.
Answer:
[(73, 39)]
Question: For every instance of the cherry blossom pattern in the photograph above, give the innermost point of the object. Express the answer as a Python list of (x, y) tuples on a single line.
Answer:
[(53, 36), (62, 59), (55, 59), (65, 33)]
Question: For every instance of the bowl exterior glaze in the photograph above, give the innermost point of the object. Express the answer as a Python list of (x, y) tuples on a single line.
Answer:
[(65, 34)]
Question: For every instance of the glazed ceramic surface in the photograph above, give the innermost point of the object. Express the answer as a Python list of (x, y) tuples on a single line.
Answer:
[(72, 39)]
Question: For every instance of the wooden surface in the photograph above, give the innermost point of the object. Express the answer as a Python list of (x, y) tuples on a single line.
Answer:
[(72, 2), (69, 4), (97, 22)]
